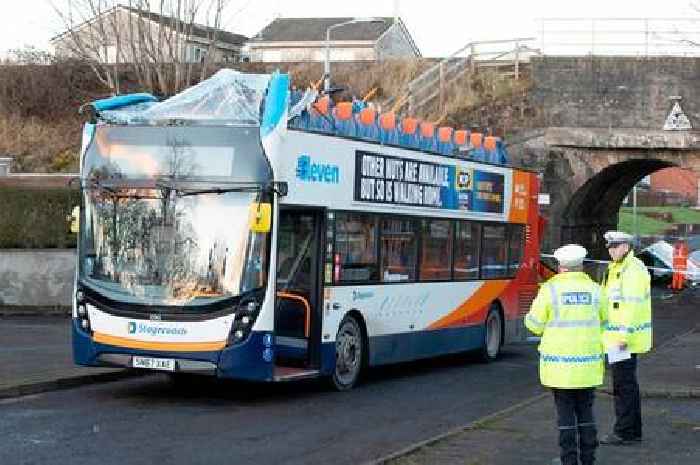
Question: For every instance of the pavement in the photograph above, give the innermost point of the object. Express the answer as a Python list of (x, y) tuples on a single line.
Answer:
[(526, 433), (36, 355)]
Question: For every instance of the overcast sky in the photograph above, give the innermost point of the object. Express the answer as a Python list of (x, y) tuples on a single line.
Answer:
[(439, 27)]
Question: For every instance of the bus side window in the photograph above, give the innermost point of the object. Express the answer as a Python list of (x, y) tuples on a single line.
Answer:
[(399, 249), (516, 245), (356, 247), (494, 251), (467, 241), (436, 253)]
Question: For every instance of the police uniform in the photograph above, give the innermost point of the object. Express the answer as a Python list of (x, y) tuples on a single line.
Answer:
[(627, 285), (570, 313)]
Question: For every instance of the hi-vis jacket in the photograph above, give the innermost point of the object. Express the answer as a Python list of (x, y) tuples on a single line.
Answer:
[(629, 304), (570, 313)]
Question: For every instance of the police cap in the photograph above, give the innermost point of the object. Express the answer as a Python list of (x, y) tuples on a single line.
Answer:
[(570, 255), (617, 237)]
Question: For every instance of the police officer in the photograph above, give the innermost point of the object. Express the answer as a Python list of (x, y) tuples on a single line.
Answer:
[(629, 328), (570, 314)]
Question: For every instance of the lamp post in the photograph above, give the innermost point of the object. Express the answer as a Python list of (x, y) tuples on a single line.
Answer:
[(327, 64)]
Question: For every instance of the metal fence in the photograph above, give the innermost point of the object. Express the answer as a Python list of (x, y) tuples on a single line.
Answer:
[(429, 87), (620, 36)]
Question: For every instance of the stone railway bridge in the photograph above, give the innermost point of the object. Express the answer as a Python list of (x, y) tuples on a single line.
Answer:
[(603, 132)]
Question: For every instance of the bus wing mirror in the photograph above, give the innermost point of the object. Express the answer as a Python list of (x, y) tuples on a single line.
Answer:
[(74, 220), (282, 188), (260, 217)]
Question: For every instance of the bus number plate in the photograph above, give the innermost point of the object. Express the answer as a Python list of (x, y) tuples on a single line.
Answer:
[(165, 364)]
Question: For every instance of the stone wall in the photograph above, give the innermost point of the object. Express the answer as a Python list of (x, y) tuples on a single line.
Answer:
[(36, 278), (618, 92)]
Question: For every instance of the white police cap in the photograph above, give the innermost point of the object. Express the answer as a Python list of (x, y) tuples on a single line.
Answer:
[(617, 237), (570, 255)]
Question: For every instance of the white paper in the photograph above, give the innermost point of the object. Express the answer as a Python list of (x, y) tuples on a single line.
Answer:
[(615, 354)]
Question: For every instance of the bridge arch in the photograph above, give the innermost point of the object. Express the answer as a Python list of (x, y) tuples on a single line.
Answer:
[(587, 186)]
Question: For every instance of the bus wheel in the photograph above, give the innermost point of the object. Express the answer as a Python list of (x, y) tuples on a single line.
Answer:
[(349, 354), (493, 336)]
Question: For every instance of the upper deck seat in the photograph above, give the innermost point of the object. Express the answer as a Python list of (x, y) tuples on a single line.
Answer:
[(427, 137), (490, 150), (388, 134), (461, 141), (477, 151), (295, 96), (445, 145), (367, 124), (344, 122), (502, 152), (408, 133), (319, 115)]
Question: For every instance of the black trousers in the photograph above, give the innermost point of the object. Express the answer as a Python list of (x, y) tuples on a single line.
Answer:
[(628, 403), (577, 431)]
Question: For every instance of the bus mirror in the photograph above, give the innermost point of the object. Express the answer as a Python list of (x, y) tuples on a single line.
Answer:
[(282, 188), (74, 220), (260, 217)]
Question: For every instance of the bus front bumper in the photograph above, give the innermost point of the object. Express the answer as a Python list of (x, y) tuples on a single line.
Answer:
[(250, 360)]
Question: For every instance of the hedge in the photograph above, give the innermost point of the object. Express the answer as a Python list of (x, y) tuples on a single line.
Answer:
[(35, 218)]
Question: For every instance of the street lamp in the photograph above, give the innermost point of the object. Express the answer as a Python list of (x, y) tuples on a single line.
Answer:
[(327, 64)]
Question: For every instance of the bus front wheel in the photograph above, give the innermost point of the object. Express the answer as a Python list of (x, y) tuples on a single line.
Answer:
[(349, 354), (493, 339)]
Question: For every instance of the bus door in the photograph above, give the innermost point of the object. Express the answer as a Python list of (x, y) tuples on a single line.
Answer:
[(298, 292)]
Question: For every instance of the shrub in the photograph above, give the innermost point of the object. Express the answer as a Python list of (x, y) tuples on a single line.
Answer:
[(35, 218)]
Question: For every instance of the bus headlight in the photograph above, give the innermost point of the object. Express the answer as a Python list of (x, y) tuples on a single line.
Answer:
[(246, 314)]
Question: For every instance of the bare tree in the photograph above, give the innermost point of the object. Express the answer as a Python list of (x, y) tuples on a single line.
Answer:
[(154, 39)]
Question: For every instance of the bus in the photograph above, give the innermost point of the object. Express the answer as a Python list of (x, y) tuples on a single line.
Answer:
[(218, 237)]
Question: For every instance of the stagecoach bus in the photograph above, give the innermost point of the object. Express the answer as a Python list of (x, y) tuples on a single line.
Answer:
[(218, 237)]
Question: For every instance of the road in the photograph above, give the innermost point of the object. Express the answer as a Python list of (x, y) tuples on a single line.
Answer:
[(149, 420)]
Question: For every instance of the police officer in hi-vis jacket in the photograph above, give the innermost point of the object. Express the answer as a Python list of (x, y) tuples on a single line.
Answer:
[(570, 313), (627, 285)]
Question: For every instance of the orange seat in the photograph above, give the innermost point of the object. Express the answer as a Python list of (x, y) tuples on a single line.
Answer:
[(409, 125), (445, 134), (323, 104), (387, 121), (461, 137), (427, 129), (476, 139), (367, 116), (490, 143), (343, 111)]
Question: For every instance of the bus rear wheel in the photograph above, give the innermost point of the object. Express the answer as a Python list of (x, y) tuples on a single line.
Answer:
[(493, 335), (349, 354)]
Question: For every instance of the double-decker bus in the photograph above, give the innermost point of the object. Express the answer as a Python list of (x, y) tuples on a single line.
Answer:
[(217, 238)]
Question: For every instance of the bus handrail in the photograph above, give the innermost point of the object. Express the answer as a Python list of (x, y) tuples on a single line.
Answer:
[(307, 309)]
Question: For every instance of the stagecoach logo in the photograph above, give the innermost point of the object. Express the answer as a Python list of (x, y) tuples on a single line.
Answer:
[(360, 295), (308, 171), (144, 328)]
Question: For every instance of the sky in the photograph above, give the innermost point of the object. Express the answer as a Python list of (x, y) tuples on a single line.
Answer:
[(438, 27)]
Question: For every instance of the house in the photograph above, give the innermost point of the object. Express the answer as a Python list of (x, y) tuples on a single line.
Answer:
[(684, 183), (125, 34), (304, 39)]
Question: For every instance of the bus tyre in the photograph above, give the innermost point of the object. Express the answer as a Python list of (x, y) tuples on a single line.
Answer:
[(491, 345), (349, 354)]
